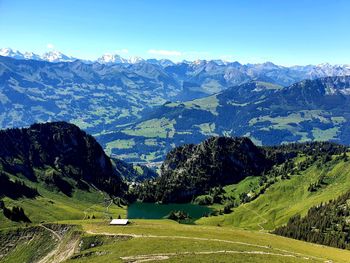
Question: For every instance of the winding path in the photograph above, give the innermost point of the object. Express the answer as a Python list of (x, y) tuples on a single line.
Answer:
[(106, 213), (264, 220), (55, 255), (165, 256), (290, 253), (52, 231), (49, 256)]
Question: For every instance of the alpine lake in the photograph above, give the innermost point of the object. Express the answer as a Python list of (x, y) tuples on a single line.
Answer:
[(140, 210)]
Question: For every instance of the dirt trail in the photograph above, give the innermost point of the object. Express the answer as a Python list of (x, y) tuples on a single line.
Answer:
[(264, 221), (103, 203), (165, 256), (62, 251), (67, 250), (86, 211), (296, 254), (107, 214), (52, 231), (48, 257), (178, 237)]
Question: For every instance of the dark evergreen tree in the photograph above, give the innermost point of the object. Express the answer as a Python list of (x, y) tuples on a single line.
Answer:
[(325, 224)]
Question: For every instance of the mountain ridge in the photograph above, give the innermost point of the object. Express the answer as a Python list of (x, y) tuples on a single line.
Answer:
[(115, 58), (59, 155), (158, 106), (311, 110)]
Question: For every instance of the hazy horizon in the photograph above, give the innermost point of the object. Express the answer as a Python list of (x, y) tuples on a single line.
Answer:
[(283, 32)]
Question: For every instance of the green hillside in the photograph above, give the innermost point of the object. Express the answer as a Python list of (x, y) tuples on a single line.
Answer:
[(148, 239), (51, 206), (100, 98), (288, 197), (39, 243), (326, 223), (55, 171), (253, 190), (152, 240)]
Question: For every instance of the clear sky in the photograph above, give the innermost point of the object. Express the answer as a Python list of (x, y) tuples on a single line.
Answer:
[(286, 32)]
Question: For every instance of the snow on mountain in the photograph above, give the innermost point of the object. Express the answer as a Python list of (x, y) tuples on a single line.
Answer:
[(134, 60), (56, 56), (52, 56), (162, 62), (8, 52), (198, 62), (117, 59), (31, 55), (111, 59), (220, 62), (231, 69), (166, 62), (324, 70)]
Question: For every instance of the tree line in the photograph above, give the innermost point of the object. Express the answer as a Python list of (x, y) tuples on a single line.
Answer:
[(325, 224)]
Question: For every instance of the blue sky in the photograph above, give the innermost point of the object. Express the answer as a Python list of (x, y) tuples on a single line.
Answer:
[(286, 32)]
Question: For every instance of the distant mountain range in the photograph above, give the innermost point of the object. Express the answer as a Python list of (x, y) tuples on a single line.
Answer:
[(232, 72), (52, 56), (158, 104), (94, 96)]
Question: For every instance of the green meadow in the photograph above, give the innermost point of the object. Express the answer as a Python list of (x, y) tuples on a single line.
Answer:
[(284, 198), (76, 229)]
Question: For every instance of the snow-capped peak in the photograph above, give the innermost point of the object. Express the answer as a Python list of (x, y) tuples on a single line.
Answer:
[(8, 52), (199, 62), (220, 62), (111, 59), (310, 71), (56, 56), (31, 55), (52, 56), (166, 62), (326, 69), (134, 60)]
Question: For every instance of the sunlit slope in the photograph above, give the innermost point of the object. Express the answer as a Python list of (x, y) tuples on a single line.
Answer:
[(55, 171), (40, 243), (153, 240), (53, 206), (288, 197)]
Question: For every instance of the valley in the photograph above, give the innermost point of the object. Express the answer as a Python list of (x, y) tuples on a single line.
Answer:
[(268, 114), (174, 131), (158, 106), (230, 197)]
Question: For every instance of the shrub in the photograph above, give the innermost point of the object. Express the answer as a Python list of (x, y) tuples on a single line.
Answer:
[(204, 200), (16, 214)]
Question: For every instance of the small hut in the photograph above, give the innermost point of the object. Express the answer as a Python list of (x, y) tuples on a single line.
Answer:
[(119, 222)]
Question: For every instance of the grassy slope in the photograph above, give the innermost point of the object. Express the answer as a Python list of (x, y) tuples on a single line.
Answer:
[(188, 243), (243, 187), (248, 185), (286, 198), (53, 206), (172, 241), (41, 243)]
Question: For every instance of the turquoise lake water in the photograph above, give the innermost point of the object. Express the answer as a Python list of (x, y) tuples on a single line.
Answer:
[(157, 211)]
